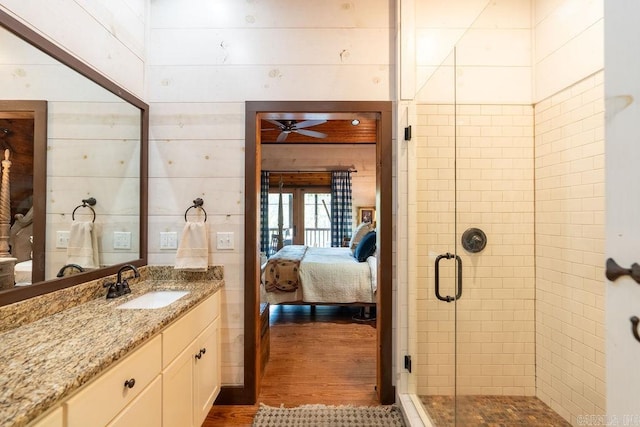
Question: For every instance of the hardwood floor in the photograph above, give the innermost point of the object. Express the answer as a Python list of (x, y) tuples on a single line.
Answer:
[(318, 355)]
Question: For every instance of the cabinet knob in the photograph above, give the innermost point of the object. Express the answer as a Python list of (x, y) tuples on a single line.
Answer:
[(200, 353), (130, 383)]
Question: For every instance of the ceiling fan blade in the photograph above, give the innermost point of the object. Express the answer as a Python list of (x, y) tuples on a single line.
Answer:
[(312, 133), (282, 136), (309, 123), (263, 129)]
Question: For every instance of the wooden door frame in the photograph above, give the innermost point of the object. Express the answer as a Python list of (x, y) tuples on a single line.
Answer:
[(37, 112), (248, 393)]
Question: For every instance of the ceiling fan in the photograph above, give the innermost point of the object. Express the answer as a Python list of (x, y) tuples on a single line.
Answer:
[(288, 126)]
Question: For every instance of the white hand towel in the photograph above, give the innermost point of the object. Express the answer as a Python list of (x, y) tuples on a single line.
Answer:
[(193, 252), (83, 245)]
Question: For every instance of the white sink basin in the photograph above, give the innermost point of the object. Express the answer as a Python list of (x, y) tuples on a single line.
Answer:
[(156, 299)]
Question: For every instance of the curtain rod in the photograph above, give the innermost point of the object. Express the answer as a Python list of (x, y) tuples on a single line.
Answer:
[(299, 171)]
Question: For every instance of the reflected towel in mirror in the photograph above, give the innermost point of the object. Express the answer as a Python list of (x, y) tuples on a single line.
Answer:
[(83, 245), (193, 251)]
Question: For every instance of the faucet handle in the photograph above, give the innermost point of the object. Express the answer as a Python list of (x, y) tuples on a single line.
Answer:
[(112, 291), (125, 287)]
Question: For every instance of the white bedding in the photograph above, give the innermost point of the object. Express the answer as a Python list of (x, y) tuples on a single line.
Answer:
[(332, 276)]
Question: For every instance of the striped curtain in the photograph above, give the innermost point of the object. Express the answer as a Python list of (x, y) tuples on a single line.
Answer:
[(264, 212), (341, 211)]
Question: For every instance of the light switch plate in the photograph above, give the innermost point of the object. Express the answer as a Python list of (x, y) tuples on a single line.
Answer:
[(168, 240), (225, 240), (121, 240), (62, 239)]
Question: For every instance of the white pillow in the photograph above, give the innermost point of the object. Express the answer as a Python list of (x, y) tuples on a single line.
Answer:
[(360, 231)]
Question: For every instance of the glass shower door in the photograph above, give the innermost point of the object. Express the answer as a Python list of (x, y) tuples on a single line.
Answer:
[(437, 263), (475, 286)]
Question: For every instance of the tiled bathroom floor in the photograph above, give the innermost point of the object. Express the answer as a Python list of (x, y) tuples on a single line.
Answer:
[(491, 411)]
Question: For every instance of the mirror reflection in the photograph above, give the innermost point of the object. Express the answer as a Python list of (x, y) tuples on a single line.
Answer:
[(91, 152)]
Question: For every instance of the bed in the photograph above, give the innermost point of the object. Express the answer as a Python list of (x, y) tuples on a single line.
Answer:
[(299, 274)]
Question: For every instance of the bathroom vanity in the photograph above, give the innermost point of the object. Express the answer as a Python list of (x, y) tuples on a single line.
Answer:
[(99, 364)]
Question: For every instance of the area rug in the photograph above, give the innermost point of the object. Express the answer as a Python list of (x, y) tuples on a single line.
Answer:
[(334, 416)]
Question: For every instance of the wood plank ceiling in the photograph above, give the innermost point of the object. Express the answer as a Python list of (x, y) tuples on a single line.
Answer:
[(337, 132)]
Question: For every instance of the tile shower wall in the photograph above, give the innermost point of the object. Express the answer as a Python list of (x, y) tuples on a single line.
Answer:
[(570, 335), (496, 338)]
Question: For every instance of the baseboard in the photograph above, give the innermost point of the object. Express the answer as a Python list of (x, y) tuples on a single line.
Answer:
[(234, 395)]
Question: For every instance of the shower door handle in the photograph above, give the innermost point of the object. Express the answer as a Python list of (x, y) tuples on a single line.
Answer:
[(437, 277)]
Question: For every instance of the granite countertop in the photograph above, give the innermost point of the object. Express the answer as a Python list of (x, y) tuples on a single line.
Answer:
[(44, 361)]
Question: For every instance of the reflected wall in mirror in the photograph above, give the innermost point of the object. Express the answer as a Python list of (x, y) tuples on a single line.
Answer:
[(94, 146)]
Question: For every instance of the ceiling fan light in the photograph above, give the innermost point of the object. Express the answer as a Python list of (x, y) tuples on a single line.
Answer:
[(355, 122)]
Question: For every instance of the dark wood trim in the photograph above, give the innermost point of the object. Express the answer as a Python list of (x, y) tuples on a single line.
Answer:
[(251, 251), (38, 111), (383, 109), (384, 212), (144, 185), (234, 395), (30, 36)]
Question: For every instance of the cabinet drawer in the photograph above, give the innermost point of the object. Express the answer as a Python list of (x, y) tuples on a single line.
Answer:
[(177, 336), (100, 401), (145, 410)]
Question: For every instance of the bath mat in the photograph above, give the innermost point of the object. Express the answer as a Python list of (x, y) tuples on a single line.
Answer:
[(324, 415)]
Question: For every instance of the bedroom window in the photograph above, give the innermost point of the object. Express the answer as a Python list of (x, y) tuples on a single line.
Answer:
[(287, 216), (306, 209), (317, 219)]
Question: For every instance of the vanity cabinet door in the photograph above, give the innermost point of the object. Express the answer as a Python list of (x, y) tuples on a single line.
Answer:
[(191, 381), (206, 372), (144, 410), (182, 333), (177, 387)]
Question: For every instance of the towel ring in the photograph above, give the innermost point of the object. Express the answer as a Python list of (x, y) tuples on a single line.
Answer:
[(86, 203), (197, 203)]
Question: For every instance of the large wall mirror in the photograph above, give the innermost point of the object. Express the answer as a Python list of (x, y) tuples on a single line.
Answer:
[(77, 147)]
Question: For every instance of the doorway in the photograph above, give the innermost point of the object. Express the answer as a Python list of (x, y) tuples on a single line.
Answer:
[(382, 111)]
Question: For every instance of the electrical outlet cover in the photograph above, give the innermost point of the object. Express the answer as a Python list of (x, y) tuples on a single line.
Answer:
[(121, 240), (62, 239), (168, 240), (224, 240)]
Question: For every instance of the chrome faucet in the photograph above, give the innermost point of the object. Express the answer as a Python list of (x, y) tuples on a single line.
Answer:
[(65, 267), (121, 287)]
